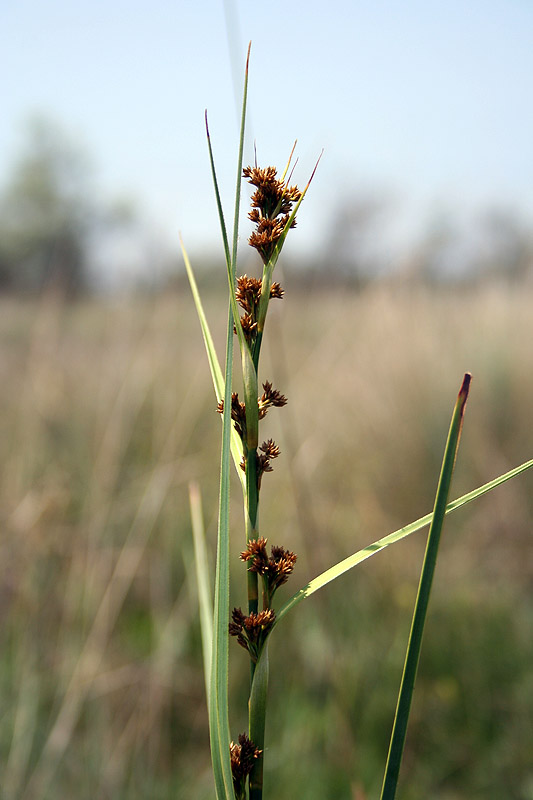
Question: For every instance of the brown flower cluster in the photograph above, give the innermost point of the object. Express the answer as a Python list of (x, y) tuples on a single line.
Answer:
[(238, 414), (269, 449), (275, 569), (251, 631), (270, 397), (243, 756), (248, 294), (272, 204)]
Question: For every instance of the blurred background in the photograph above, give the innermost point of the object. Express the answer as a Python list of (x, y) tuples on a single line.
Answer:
[(412, 262)]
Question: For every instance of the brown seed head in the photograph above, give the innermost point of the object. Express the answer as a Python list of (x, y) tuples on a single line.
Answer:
[(248, 292), (243, 756), (270, 397), (255, 624), (276, 568), (238, 413), (255, 548), (276, 291), (281, 565), (272, 204), (270, 449), (252, 630)]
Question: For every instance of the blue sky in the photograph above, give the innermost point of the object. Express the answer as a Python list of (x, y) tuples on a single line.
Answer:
[(428, 102)]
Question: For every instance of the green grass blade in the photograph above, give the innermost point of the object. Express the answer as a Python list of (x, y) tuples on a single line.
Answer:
[(239, 161), (249, 371), (230, 260), (405, 696), (218, 695), (203, 580), (218, 690), (220, 210), (352, 561), (214, 365)]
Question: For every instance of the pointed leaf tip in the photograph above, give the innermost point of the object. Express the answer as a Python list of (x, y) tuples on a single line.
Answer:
[(315, 169), (465, 386), (464, 390)]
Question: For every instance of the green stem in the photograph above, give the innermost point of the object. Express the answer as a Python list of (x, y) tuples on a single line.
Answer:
[(257, 349), (251, 514), (257, 715)]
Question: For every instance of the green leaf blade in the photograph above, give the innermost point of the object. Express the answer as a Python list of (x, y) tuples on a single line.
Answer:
[(380, 544), (218, 691), (412, 658), (218, 696), (214, 365), (203, 581)]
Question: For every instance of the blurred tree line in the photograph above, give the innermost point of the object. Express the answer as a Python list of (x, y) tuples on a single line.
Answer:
[(494, 244), (51, 226), (45, 215), (50, 219)]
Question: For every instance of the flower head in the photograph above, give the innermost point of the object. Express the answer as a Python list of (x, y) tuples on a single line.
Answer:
[(251, 631), (272, 204), (243, 756), (275, 568)]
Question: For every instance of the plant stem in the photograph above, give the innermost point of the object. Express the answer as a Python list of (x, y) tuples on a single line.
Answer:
[(251, 513), (257, 349), (257, 715)]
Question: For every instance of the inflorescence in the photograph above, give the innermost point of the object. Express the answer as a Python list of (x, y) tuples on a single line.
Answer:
[(269, 449), (272, 212), (243, 756), (272, 204), (274, 569)]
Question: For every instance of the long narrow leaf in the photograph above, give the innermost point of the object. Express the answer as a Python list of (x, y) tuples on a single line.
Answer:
[(214, 366), (218, 698), (405, 695), (249, 373), (218, 691), (230, 262), (203, 581), (239, 161), (348, 563)]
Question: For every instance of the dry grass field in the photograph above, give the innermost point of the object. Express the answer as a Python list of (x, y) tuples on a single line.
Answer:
[(107, 413)]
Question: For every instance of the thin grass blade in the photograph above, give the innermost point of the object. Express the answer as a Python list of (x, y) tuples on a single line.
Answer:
[(218, 695), (405, 696), (214, 365), (218, 690), (250, 388), (370, 550), (203, 580), (230, 260), (239, 161)]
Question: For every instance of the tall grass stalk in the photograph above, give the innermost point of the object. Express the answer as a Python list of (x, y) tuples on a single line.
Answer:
[(238, 765)]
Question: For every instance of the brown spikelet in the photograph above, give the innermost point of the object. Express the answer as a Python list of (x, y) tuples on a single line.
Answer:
[(243, 757), (276, 291), (272, 204)]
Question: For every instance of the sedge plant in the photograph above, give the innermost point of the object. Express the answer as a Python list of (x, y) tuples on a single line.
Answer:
[(238, 763)]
